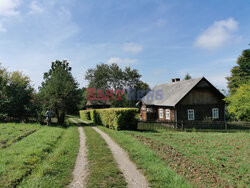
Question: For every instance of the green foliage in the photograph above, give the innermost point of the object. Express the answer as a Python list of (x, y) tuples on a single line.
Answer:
[(85, 114), (240, 74), (187, 77), (113, 118), (16, 95), (105, 77), (60, 90), (239, 103), (83, 99)]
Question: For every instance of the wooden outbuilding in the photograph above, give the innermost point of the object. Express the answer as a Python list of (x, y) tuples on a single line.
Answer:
[(97, 104)]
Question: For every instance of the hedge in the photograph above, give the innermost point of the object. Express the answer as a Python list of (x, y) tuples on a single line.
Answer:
[(113, 118), (85, 114)]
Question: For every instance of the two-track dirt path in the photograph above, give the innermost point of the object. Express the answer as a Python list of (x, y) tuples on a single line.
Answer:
[(132, 175), (81, 169)]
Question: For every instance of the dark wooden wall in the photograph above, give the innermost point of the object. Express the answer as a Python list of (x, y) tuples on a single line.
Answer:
[(202, 99)]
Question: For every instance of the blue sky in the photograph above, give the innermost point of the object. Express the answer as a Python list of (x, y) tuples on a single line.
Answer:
[(162, 39)]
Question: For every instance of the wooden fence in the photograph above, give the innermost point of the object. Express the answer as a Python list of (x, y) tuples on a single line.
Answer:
[(182, 125)]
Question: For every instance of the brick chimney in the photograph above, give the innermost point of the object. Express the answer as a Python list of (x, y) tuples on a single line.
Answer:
[(175, 80)]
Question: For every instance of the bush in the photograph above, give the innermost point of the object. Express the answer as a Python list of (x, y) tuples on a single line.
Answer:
[(113, 118), (85, 114)]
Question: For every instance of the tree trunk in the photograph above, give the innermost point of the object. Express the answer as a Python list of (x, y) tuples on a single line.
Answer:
[(61, 118)]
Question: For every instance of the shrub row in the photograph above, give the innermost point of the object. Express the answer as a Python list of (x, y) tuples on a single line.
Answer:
[(113, 118), (85, 114)]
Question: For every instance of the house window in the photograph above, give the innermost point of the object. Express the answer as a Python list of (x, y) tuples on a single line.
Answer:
[(215, 113), (190, 114), (167, 114), (161, 113), (150, 110)]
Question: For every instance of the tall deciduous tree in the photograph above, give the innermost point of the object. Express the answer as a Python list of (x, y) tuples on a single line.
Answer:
[(99, 77), (60, 89), (105, 77), (240, 74), (239, 103), (15, 94)]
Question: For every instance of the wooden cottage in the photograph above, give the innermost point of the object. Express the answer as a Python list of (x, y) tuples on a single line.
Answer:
[(187, 100)]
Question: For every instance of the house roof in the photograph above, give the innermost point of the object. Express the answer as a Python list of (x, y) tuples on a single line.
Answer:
[(172, 92), (98, 103)]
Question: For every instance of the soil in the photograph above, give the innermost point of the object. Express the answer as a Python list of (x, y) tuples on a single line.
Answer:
[(197, 174), (133, 176), (81, 170)]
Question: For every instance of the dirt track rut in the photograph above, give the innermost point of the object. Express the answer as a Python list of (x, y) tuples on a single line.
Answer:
[(133, 176)]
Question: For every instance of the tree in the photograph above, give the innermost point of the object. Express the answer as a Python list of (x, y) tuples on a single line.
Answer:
[(60, 90), (19, 94), (240, 74), (239, 103), (105, 77), (99, 77), (83, 100), (187, 77), (15, 94)]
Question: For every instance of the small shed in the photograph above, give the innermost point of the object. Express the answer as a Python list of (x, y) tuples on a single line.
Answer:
[(97, 104)]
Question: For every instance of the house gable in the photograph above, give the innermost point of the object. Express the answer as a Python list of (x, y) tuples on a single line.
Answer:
[(203, 93)]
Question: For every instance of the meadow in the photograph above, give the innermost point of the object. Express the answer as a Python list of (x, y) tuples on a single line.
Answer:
[(37, 156), (200, 158), (32, 155)]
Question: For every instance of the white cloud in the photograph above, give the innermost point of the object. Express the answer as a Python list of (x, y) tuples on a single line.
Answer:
[(35, 8), (217, 34), (7, 10), (8, 7), (119, 60), (132, 48)]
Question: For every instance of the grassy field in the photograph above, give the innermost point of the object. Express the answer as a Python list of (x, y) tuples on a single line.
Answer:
[(203, 159), (103, 169), (44, 158), (154, 168), (11, 133), (39, 156)]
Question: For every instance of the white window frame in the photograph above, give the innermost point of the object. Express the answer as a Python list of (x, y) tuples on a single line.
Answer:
[(167, 114), (215, 113), (191, 115), (161, 113), (150, 110)]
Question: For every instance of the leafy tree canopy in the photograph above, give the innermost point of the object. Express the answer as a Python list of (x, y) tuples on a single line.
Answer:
[(240, 74), (239, 103), (105, 77), (59, 90), (187, 77), (15, 94)]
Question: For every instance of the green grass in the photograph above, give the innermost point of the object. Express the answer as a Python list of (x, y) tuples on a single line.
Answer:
[(11, 133), (224, 154), (153, 167), (43, 159), (56, 170), (103, 169)]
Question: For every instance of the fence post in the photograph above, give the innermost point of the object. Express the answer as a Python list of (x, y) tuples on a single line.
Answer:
[(182, 126)]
